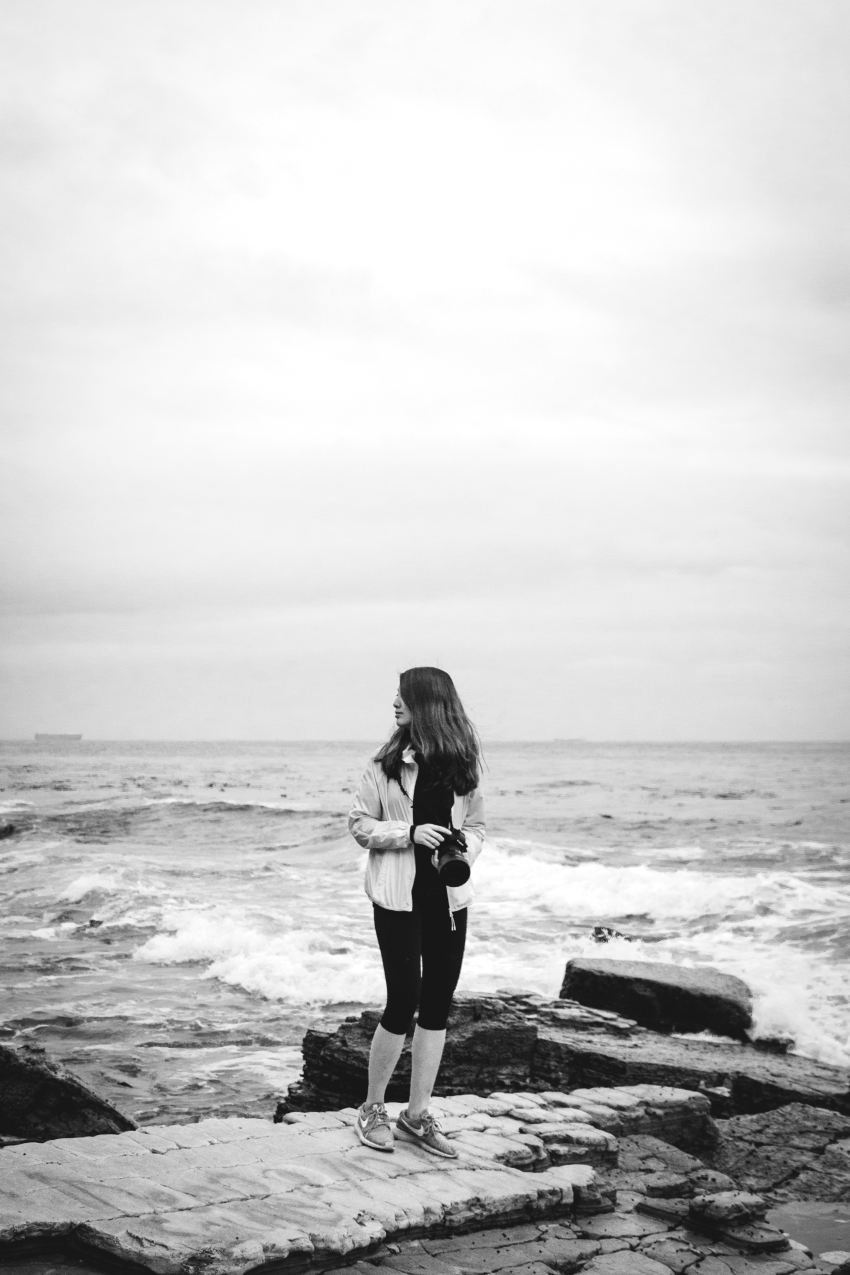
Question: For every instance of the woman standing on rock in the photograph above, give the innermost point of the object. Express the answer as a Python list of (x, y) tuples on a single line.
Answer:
[(420, 786)]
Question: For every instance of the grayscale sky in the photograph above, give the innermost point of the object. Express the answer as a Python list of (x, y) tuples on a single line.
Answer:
[(509, 337)]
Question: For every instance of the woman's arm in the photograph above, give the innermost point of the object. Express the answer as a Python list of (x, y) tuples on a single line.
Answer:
[(365, 822), (473, 825)]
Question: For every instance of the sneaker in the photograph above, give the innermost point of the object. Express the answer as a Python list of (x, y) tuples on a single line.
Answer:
[(427, 1134), (373, 1127)]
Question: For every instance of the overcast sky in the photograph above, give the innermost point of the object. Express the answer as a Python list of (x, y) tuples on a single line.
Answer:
[(509, 337)]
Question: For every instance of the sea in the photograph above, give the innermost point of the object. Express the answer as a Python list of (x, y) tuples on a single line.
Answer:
[(175, 916)]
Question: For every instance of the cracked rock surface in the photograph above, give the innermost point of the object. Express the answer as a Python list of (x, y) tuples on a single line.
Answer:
[(534, 1191), (795, 1153)]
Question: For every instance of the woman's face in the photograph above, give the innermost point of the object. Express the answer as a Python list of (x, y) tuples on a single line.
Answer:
[(402, 712)]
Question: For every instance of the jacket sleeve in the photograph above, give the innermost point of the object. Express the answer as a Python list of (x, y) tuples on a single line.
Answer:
[(365, 822), (473, 825)]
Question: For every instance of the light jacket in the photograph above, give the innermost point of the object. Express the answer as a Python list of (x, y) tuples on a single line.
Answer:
[(380, 819)]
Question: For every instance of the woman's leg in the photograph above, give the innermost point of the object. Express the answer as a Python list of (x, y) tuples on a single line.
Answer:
[(399, 938), (383, 1058), (426, 1056), (442, 958)]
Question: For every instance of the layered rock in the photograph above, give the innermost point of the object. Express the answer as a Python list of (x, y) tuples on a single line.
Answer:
[(793, 1153), (490, 1046), (41, 1100), (230, 1197), (663, 997), (525, 1042)]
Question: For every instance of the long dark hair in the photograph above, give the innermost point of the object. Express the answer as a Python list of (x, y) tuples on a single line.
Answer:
[(439, 729)]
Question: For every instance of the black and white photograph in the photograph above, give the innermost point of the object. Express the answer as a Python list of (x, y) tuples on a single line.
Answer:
[(425, 648)]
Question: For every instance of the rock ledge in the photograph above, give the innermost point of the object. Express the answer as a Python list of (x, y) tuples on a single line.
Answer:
[(554, 1181)]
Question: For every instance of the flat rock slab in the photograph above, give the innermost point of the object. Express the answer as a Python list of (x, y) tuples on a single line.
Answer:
[(634, 1246), (794, 1153), (229, 1196), (662, 996)]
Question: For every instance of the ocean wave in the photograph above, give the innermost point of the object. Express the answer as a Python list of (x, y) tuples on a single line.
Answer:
[(593, 890), (545, 851), (89, 883), (115, 816), (301, 965), (233, 805), (809, 1003), (52, 932), (740, 794), (546, 784)]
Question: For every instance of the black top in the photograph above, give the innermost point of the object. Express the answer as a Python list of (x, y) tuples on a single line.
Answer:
[(432, 803), (433, 796)]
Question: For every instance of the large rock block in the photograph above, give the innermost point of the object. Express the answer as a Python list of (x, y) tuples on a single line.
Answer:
[(42, 1100), (489, 1047), (664, 997), (738, 1078), (524, 1042)]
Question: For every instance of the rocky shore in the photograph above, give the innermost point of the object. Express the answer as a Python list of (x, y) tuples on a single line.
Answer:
[(586, 1141), (542, 1184), (525, 1042), (42, 1100)]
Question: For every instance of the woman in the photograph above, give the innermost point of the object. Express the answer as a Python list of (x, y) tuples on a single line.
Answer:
[(420, 784)]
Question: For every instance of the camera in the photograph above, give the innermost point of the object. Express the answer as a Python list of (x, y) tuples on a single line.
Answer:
[(452, 863)]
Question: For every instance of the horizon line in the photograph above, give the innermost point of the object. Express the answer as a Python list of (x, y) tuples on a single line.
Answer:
[(513, 739)]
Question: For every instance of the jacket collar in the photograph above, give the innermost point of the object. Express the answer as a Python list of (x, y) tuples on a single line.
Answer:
[(408, 756)]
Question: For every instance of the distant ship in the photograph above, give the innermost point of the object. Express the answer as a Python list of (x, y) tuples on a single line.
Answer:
[(55, 739)]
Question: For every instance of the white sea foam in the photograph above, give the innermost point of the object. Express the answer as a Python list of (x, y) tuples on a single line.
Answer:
[(237, 804), (53, 932), (596, 891), (89, 883), (531, 915), (296, 964), (544, 850), (243, 890), (686, 917)]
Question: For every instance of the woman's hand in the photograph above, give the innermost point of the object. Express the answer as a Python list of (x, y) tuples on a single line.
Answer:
[(430, 835)]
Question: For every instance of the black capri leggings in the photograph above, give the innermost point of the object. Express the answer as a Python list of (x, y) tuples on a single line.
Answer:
[(422, 956)]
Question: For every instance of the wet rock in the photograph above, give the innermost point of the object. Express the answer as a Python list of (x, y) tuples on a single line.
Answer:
[(666, 1185), (231, 1196), (730, 1207), (645, 1159), (42, 1100), (664, 997), (676, 1253), (794, 1153), (709, 1181), (516, 1042), (604, 934), (625, 1263), (737, 1077), (489, 1047), (227, 1197), (773, 1044)]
